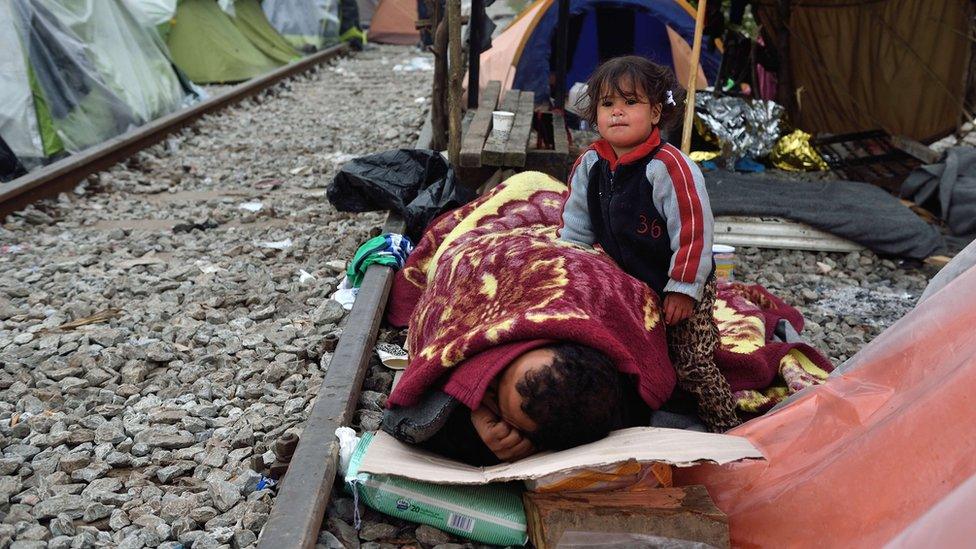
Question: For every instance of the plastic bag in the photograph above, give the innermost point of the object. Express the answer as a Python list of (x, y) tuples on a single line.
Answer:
[(492, 513), (417, 183), (10, 166)]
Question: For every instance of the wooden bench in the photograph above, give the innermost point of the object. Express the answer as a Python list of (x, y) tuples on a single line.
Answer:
[(481, 149)]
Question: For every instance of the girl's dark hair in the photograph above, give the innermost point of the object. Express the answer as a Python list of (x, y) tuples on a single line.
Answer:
[(648, 78), (576, 400)]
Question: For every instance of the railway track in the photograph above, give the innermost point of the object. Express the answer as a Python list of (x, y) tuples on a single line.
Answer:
[(63, 175), (303, 496)]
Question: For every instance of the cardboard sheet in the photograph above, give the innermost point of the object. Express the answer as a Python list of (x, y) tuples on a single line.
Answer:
[(388, 456)]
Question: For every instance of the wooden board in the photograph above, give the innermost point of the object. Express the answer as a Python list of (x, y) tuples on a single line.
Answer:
[(474, 137), (559, 136), (493, 153), (686, 513), (518, 139), (779, 234)]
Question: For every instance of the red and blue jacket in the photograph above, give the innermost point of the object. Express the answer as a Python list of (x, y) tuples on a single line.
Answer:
[(648, 210)]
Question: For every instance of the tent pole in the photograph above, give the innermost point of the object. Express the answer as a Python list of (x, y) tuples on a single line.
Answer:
[(455, 75), (693, 78), (474, 51), (562, 44)]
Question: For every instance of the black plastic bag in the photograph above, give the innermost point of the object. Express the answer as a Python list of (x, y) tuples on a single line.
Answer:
[(417, 183), (10, 166)]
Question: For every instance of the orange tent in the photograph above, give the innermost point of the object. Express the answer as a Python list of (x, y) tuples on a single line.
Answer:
[(394, 22), (501, 61), (884, 452)]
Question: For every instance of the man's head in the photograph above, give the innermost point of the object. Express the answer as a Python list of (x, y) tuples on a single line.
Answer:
[(562, 395)]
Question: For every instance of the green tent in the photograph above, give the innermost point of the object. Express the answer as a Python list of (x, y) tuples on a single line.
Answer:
[(251, 21), (211, 47), (74, 74)]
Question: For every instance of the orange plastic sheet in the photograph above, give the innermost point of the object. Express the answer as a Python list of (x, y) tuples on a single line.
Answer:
[(866, 458)]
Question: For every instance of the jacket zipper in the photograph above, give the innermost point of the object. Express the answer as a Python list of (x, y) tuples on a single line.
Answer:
[(607, 219)]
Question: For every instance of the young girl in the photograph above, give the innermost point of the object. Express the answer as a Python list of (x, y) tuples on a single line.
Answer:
[(645, 203)]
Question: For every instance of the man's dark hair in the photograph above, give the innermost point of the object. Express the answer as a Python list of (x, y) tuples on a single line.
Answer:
[(576, 400), (649, 78)]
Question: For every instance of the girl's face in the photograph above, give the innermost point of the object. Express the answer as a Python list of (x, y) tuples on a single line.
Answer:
[(626, 122)]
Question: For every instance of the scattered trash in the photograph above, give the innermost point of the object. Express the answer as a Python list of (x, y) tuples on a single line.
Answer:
[(347, 446), (268, 184), (345, 294), (304, 276), (277, 245), (419, 100), (794, 153), (392, 356), (189, 227), (256, 481), (417, 183), (415, 64), (207, 268), (745, 128), (12, 248), (389, 249), (266, 482), (100, 316), (704, 156), (149, 259), (253, 207), (301, 170)]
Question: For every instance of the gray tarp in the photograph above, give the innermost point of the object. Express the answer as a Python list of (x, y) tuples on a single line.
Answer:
[(859, 212), (949, 189)]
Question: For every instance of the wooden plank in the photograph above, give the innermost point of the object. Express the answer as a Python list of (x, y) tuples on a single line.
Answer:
[(518, 139), (685, 513), (778, 234), (63, 175), (560, 137), (474, 138), (915, 149), (493, 153)]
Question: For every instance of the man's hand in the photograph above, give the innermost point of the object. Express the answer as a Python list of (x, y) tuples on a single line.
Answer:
[(505, 441), (677, 307)]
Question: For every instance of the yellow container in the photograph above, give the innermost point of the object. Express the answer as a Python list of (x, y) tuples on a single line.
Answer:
[(724, 257)]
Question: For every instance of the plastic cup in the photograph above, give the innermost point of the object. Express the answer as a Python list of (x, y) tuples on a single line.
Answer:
[(501, 123), (724, 257)]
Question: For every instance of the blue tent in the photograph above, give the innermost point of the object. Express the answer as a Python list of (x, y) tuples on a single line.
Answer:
[(600, 30)]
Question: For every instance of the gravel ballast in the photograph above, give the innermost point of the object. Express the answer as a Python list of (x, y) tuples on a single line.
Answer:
[(139, 428), (202, 341)]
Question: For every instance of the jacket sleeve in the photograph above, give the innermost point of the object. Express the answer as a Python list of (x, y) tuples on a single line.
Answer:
[(575, 225), (680, 197)]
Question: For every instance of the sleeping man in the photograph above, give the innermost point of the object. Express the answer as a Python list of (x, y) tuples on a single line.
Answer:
[(521, 343)]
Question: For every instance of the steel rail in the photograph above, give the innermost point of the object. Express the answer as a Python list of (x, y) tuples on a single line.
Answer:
[(64, 174), (303, 495)]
